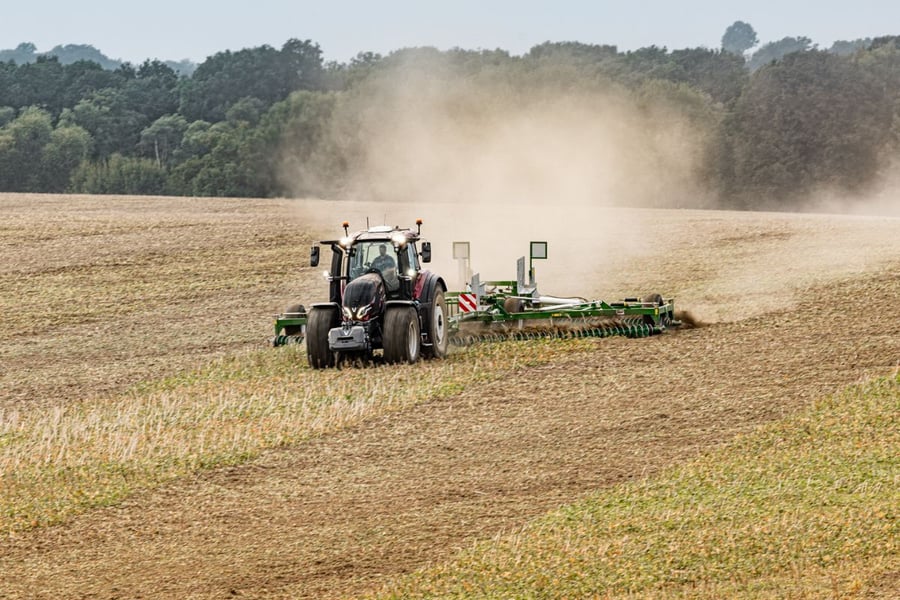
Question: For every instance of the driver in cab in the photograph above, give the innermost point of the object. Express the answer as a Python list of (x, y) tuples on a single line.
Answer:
[(383, 261)]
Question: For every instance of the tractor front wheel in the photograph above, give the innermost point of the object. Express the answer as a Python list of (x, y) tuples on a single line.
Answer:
[(321, 320), (402, 339)]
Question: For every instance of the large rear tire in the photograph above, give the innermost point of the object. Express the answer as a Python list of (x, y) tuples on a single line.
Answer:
[(402, 339), (321, 320), (438, 335)]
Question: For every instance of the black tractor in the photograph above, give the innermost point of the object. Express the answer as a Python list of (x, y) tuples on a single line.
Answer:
[(380, 299)]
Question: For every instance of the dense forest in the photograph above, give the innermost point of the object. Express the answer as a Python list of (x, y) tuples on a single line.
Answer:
[(726, 126)]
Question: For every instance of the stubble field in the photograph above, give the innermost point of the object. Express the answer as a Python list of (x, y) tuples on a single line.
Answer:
[(152, 445)]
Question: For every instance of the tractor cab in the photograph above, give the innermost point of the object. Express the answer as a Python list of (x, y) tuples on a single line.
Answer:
[(390, 252)]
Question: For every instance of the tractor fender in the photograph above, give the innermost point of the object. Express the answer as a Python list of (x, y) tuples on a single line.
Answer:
[(426, 286), (399, 303), (333, 305)]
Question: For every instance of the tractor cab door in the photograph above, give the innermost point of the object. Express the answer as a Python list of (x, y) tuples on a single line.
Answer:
[(409, 270), (335, 288)]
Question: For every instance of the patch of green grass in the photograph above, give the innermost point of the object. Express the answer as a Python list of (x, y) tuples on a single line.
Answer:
[(807, 507), (71, 458)]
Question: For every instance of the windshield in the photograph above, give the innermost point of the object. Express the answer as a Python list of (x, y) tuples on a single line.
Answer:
[(378, 255)]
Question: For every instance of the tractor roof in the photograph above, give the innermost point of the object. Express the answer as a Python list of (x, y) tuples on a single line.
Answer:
[(383, 232), (377, 233)]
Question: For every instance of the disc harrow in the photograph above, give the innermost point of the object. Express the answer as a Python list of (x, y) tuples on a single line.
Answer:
[(493, 311), (629, 329)]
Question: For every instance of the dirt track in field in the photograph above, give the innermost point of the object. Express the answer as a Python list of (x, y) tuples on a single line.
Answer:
[(798, 306)]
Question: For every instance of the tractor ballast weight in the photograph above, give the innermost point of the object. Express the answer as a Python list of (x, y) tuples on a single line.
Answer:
[(379, 298)]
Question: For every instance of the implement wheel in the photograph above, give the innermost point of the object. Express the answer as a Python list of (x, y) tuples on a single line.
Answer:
[(656, 299), (321, 320), (294, 310), (402, 340), (514, 305), (664, 318), (437, 327)]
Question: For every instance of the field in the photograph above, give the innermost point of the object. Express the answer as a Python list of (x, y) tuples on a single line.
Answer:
[(153, 445)]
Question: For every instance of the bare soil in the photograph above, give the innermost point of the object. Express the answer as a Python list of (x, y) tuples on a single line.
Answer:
[(796, 306)]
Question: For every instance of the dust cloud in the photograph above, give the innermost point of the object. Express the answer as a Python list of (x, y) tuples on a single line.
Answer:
[(881, 199), (499, 159), (499, 162)]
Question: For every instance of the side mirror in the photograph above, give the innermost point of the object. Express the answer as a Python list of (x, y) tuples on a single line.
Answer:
[(314, 256), (426, 252)]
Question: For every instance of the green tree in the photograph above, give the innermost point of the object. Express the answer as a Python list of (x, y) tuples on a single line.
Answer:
[(846, 48), (40, 83), (263, 72), (340, 76), (71, 53), (82, 78), (152, 91), (246, 110), (738, 38), (120, 175), (8, 72), (67, 149), (196, 141), (813, 119), (22, 148), (25, 52), (776, 50), (162, 139), (7, 114), (295, 148), (226, 161), (113, 124), (720, 74)]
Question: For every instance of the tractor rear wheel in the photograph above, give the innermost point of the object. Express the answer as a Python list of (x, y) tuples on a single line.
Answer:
[(321, 320), (402, 339), (437, 327)]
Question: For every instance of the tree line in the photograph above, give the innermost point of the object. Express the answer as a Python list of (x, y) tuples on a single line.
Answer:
[(778, 123)]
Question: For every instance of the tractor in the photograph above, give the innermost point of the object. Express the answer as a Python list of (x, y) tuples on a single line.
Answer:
[(380, 299)]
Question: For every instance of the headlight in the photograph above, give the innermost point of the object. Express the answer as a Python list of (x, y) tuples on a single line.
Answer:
[(346, 242), (326, 275), (362, 311), (348, 314), (411, 273), (399, 239)]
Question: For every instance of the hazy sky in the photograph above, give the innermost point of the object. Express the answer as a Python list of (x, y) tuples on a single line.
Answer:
[(173, 30)]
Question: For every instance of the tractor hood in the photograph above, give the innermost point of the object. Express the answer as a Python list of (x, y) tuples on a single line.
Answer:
[(364, 297)]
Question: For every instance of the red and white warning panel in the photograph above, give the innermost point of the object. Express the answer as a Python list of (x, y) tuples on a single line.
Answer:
[(467, 303)]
